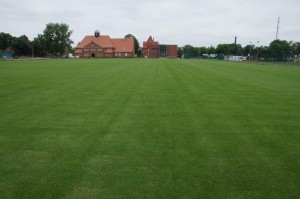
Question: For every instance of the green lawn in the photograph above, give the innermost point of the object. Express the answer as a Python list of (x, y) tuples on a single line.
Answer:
[(142, 128)]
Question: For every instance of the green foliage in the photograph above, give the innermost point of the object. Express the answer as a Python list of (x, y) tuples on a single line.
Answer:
[(21, 46), (39, 46), (295, 48), (211, 50), (263, 51), (189, 49), (248, 49), (280, 49), (5, 41), (136, 44), (180, 52), (229, 49), (56, 38)]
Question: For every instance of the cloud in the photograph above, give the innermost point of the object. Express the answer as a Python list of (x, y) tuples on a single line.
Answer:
[(195, 22)]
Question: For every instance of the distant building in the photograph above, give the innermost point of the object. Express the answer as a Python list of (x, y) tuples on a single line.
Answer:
[(102, 46), (152, 49)]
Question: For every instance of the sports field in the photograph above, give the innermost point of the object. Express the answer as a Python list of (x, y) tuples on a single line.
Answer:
[(142, 128)]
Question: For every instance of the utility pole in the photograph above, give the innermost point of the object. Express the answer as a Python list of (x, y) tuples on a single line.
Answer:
[(277, 31)]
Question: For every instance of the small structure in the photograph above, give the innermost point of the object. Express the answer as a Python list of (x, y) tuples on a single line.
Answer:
[(97, 33), (152, 49), (6, 54), (102, 46), (233, 58)]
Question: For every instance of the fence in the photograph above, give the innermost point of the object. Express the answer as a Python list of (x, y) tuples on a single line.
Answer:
[(292, 60), (202, 56)]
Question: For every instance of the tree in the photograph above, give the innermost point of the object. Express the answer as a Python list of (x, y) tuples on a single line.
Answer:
[(136, 44), (56, 38), (280, 49), (188, 49), (202, 50), (39, 48), (211, 50), (263, 51), (228, 49), (5, 41), (179, 52), (248, 50), (21, 46), (295, 48)]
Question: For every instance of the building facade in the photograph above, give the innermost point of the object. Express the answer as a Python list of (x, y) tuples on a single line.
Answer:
[(102, 46), (152, 49)]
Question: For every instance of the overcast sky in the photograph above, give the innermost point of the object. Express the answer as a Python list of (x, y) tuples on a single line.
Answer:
[(195, 22)]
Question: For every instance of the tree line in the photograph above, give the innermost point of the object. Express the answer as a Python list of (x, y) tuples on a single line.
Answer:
[(54, 41), (278, 49)]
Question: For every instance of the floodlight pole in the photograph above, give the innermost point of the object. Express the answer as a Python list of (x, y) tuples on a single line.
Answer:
[(257, 51), (32, 51), (250, 51)]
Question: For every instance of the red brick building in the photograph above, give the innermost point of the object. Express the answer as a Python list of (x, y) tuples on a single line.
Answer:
[(152, 49), (102, 46)]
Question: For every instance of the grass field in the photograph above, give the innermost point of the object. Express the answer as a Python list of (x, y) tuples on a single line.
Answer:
[(139, 128)]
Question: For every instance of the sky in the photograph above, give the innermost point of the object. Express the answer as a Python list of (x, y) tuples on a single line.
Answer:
[(181, 22)]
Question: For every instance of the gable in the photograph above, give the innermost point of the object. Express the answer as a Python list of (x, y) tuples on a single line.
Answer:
[(103, 41), (92, 45)]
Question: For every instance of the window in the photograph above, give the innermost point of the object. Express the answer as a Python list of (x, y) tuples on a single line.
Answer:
[(126, 54)]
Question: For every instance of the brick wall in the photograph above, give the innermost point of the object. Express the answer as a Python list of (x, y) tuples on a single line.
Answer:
[(171, 51)]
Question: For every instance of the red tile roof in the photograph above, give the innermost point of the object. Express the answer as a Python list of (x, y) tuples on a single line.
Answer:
[(123, 45), (103, 41), (119, 45)]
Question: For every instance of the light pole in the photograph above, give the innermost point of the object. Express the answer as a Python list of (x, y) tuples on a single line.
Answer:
[(32, 51), (250, 51), (257, 51)]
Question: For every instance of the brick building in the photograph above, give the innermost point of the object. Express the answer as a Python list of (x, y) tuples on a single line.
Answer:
[(102, 46), (152, 49)]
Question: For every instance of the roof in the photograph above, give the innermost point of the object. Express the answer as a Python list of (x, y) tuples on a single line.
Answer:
[(150, 39), (103, 41), (123, 45), (150, 43), (119, 45)]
